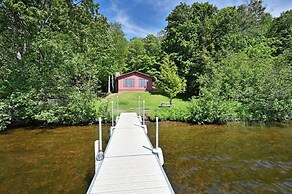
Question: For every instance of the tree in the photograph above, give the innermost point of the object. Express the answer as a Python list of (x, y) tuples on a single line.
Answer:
[(168, 80), (280, 32), (143, 55), (152, 45), (255, 79), (187, 40), (55, 56), (198, 33), (120, 44)]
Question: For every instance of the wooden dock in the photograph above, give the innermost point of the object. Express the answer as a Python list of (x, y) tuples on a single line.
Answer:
[(129, 165)]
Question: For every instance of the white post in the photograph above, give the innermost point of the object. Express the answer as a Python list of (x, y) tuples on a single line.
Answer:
[(112, 113), (100, 135), (96, 150), (109, 84), (99, 156), (138, 105), (117, 104), (157, 150), (143, 112), (156, 132), (113, 89)]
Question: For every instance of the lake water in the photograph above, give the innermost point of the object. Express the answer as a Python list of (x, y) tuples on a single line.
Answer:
[(198, 158)]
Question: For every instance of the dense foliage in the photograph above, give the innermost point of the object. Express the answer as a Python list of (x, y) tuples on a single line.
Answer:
[(233, 63), (55, 55), (144, 55), (236, 60)]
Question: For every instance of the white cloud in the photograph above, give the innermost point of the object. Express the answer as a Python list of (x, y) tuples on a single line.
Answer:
[(123, 12), (276, 7), (132, 29), (128, 25)]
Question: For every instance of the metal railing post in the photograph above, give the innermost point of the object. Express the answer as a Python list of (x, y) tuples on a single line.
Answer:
[(156, 132), (139, 106), (117, 104), (112, 113), (99, 155), (100, 134), (157, 150), (109, 84), (143, 112)]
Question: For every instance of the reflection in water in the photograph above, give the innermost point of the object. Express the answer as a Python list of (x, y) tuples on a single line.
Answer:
[(198, 159)]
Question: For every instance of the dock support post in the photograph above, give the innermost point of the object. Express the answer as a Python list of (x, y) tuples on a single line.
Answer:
[(157, 150), (100, 134), (139, 106), (99, 156), (143, 112), (156, 132), (112, 113), (117, 105), (109, 84), (96, 150), (111, 130)]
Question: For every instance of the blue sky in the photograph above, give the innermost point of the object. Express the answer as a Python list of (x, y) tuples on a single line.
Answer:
[(141, 17)]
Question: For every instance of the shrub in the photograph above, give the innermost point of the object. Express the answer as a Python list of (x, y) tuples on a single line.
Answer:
[(212, 110), (103, 111), (31, 107), (173, 114), (5, 118)]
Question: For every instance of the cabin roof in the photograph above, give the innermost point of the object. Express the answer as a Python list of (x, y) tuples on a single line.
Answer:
[(135, 72)]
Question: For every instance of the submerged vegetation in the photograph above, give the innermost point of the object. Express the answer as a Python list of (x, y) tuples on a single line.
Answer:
[(232, 63), (198, 158)]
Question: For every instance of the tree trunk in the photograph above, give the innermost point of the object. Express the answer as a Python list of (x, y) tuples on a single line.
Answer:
[(170, 101)]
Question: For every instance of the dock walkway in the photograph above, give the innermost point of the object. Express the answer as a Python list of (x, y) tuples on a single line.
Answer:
[(129, 166)]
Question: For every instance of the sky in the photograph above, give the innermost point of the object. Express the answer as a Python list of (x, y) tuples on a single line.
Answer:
[(142, 17)]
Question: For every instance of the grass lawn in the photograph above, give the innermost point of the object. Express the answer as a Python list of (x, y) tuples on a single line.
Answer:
[(128, 101)]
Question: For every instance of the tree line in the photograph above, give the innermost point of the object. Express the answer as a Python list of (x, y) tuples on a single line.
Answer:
[(233, 63)]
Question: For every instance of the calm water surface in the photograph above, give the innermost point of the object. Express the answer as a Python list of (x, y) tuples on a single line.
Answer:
[(226, 158), (198, 159), (47, 160)]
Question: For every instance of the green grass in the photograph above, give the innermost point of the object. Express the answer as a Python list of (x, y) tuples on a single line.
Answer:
[(128, 102)]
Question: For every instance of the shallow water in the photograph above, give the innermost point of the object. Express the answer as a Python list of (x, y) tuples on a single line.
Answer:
[(226, 158), (47, 160), (198, 159)]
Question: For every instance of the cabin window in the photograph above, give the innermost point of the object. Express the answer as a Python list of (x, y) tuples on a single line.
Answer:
[(142, 83), (129, 82)]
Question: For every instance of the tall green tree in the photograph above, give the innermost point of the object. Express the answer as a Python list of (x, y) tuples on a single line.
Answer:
[(198, 34), (55, 56), (169, 82), (120, 45), (187, 40), (256, 80), (280, 32), (144, 54)]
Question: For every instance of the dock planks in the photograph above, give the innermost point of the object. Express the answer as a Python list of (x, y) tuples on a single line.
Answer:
[(129, 166)]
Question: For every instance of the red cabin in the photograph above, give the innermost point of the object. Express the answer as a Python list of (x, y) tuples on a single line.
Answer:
[(135, 82)]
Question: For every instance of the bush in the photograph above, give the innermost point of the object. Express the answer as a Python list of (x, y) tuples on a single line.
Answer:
[(22, 107), (255, 78), (5, 118), (265, 110), (173, 114), (78, 108), (103, 111), (212, 110), (30, 107)]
